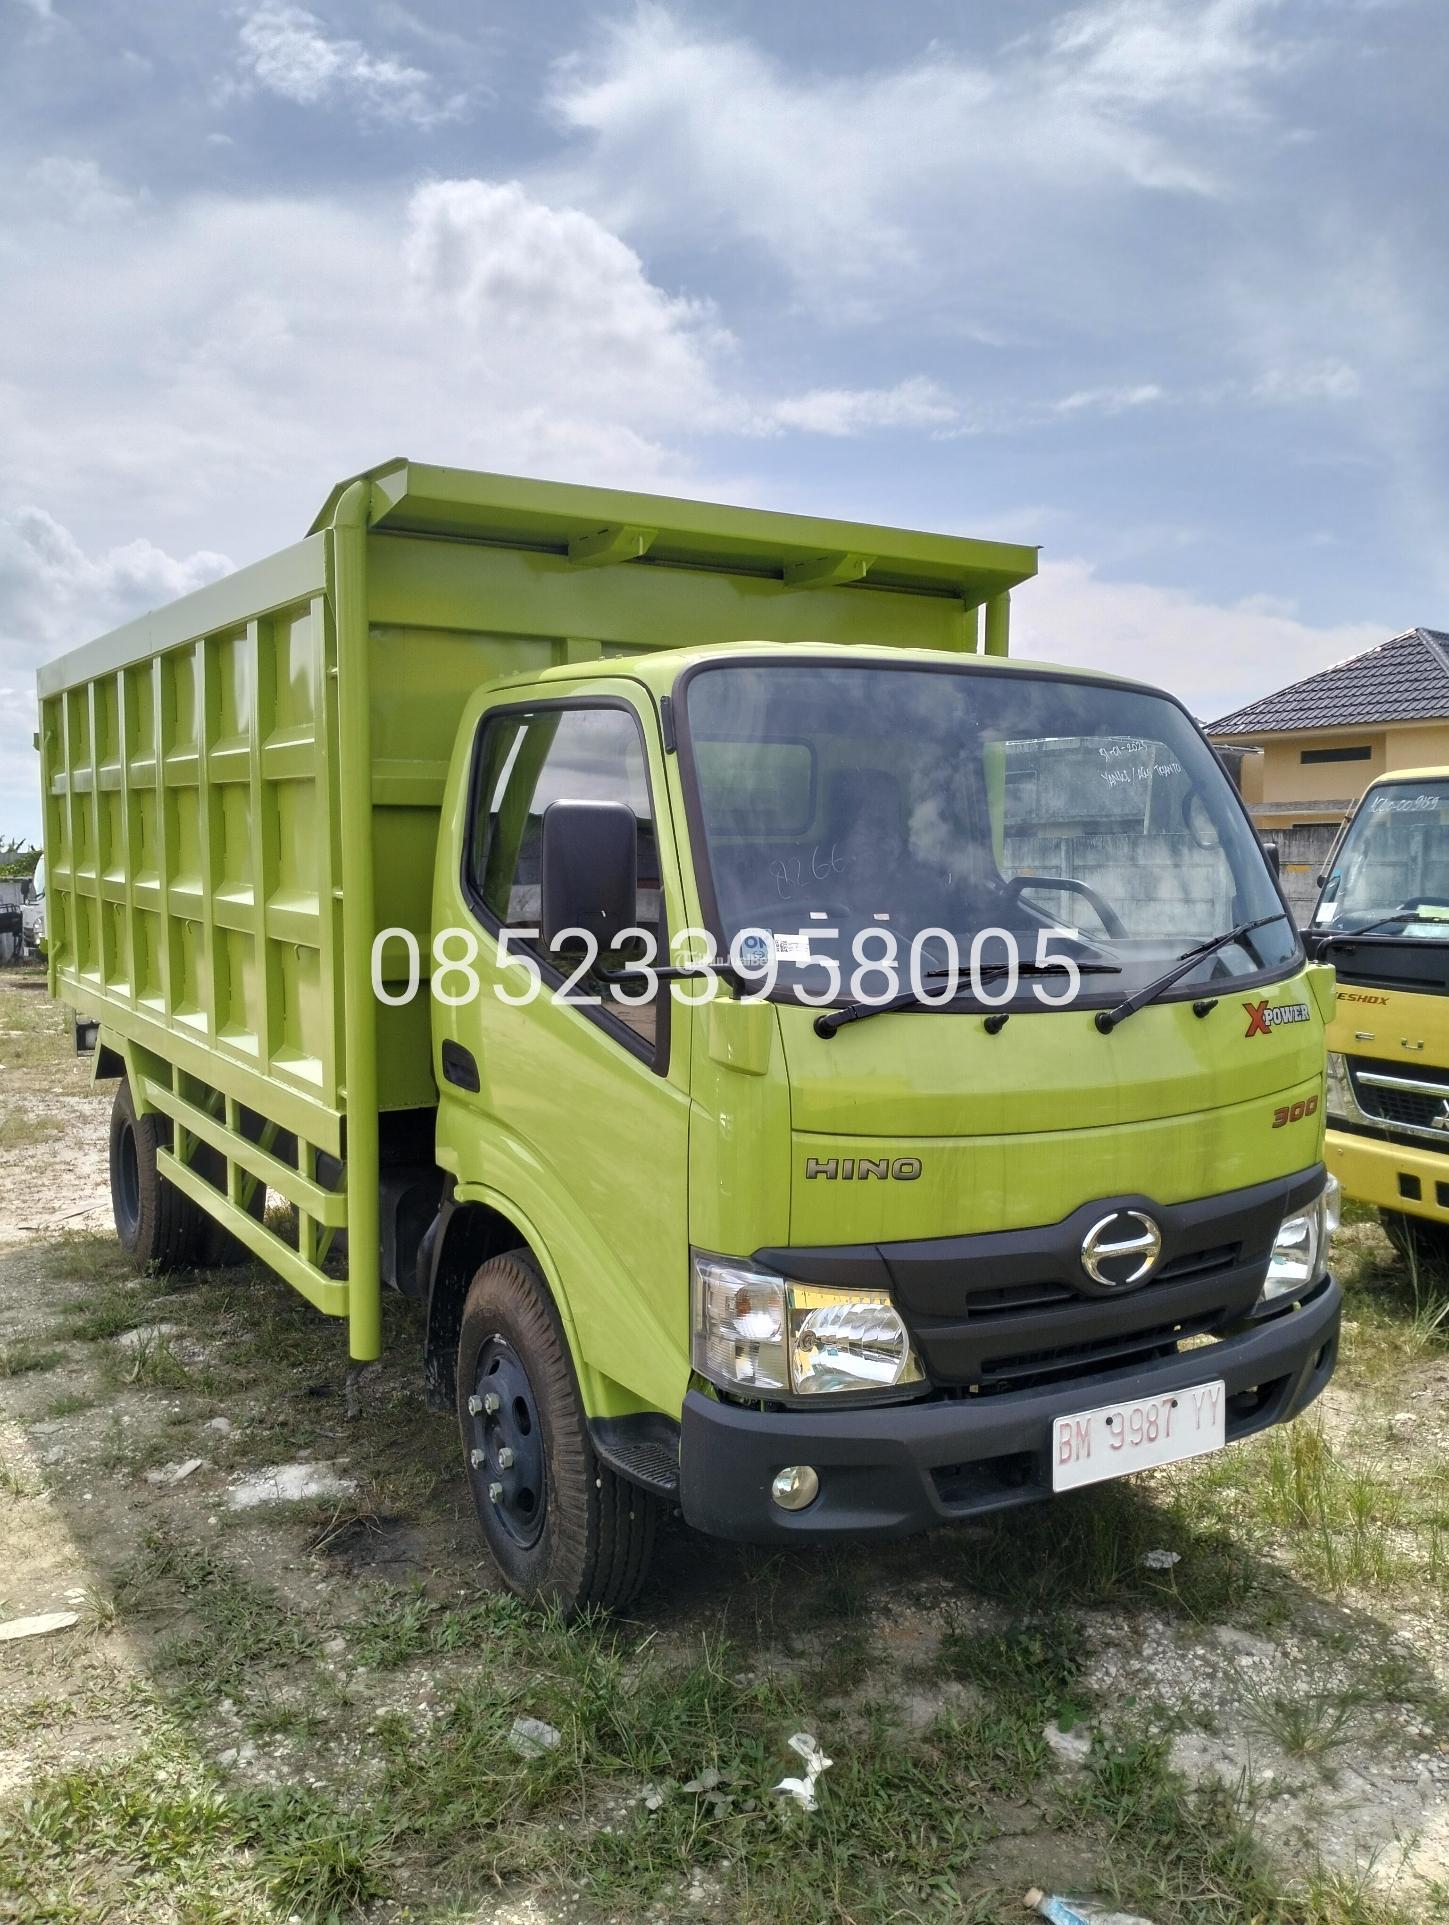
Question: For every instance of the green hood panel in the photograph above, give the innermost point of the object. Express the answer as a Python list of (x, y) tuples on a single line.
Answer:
[(913, 1073), (993, 1182), (1020, 1128)]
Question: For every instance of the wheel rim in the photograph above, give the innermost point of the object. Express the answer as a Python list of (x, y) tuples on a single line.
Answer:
[(505, 1445), (129, 1173)]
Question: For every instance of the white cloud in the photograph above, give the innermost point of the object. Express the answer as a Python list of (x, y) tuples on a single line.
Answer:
[(553, 289), (247, 347), (78, 190), (1215, 656), (53, 596), (1109, 400), (847, 179), (1208, 57), (1330, 380), (916, 403), (287, 51)]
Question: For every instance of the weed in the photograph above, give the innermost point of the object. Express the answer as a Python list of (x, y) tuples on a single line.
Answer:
[(18, 1359), (153, 1361), (68, 1404), (15, 1482), (1032, 1668), (318, 1861), (22, 1128), (1308, 1725)]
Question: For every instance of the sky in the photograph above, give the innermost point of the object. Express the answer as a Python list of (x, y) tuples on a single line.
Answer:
[(1157, 285)]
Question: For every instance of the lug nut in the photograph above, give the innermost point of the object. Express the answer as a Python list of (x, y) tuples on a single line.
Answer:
[(495, 1491), (505, 1458), (475, 1458), (475, 1404), (491, 1404)]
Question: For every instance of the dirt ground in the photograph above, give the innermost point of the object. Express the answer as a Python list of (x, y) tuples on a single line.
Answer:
[(286, 1683)]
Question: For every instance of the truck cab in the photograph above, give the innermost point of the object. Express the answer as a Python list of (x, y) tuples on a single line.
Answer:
[(841, 1263), (1382, 919)]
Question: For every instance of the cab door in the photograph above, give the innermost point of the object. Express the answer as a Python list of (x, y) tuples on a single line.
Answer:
[(578, 1126)]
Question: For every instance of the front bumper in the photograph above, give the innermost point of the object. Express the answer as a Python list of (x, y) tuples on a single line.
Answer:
[(1390, 1175), (890, 1469)]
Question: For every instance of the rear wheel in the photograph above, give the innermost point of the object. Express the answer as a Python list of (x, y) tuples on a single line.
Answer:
[(562, 1527), (1417, 1239), (156, 1223)]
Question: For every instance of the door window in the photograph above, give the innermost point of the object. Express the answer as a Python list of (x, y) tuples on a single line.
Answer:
[(527, 760)]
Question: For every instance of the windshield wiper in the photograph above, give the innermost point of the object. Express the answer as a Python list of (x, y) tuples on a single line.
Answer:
[(830, 1020), (1379, 922), (1108, 1019)]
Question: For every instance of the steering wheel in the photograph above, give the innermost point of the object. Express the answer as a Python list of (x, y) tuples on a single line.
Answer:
[(1016, 886)]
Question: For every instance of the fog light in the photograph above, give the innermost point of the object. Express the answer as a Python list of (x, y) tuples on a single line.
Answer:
[(795, 1487)]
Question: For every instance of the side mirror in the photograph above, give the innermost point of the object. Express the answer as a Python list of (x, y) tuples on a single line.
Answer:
[(1270, 850), (590, 870)]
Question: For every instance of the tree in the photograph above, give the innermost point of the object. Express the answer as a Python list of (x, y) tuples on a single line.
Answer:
[(17, 858)]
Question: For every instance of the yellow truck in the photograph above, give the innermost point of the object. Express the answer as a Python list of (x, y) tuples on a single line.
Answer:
[(1383, 920)]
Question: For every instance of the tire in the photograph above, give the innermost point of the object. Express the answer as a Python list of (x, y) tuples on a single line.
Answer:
[(1417, 1239), (158, 1225), (566, 1530)]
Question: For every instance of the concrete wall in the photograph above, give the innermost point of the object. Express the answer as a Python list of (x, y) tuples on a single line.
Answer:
[(1302, 858)]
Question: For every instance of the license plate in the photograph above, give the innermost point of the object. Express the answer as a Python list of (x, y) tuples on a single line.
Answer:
[(1116, 1439)]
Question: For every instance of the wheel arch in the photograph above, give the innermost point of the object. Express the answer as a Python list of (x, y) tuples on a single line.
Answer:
[(471, 1226)]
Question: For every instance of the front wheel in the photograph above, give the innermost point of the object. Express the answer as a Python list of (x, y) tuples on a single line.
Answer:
[(1416, 1239), (562, 1527)]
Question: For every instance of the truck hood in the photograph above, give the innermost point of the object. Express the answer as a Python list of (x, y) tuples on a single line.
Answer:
[(1021, 1127)]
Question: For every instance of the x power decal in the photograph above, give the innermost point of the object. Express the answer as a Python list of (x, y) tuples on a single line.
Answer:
[(1262, 1017)]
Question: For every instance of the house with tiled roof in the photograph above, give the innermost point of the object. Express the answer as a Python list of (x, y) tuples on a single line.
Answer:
[(1321, 741)]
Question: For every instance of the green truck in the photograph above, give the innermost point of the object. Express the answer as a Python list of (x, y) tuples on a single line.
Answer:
[(814, 1072)]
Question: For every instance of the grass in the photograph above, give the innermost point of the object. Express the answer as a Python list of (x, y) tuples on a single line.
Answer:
[(386, 1784), (19, 1359), (1308, 1725), (1180, 1855), (21, 1128), (222, 1632), (1346, 1519)]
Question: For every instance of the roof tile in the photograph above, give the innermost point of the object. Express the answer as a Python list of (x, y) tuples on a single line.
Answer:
[(1405, 679)]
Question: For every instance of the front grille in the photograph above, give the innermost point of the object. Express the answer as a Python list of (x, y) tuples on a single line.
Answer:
[(1417, 1102), (1069, 1360), (1013, 1299)]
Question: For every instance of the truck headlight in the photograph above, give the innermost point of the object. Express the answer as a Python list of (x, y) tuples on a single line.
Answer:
[(1300, 1249), (756, 1331)]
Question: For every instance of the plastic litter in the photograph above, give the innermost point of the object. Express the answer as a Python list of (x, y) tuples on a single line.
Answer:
[(531, 1737), (1077, 1911), (1161, 1560), (803, 1789), (38, 1627)]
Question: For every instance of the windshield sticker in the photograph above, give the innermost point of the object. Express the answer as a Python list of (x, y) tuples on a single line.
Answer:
[(1262, 1017), (755, 950), (1421, 803)]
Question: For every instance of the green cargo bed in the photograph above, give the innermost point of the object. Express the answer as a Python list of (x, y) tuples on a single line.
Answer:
[(242, 788)]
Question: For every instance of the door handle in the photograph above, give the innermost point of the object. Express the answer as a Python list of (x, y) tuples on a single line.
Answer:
[(459, 1067)]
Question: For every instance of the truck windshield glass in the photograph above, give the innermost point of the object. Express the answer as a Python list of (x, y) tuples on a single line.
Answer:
[(1392, 868), (852, 798)]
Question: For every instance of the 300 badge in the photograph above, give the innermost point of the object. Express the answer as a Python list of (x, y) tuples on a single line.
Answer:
[(1294, 1112)]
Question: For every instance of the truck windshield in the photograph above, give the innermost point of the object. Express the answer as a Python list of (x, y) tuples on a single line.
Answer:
[(1392, 867), (834, 800)]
